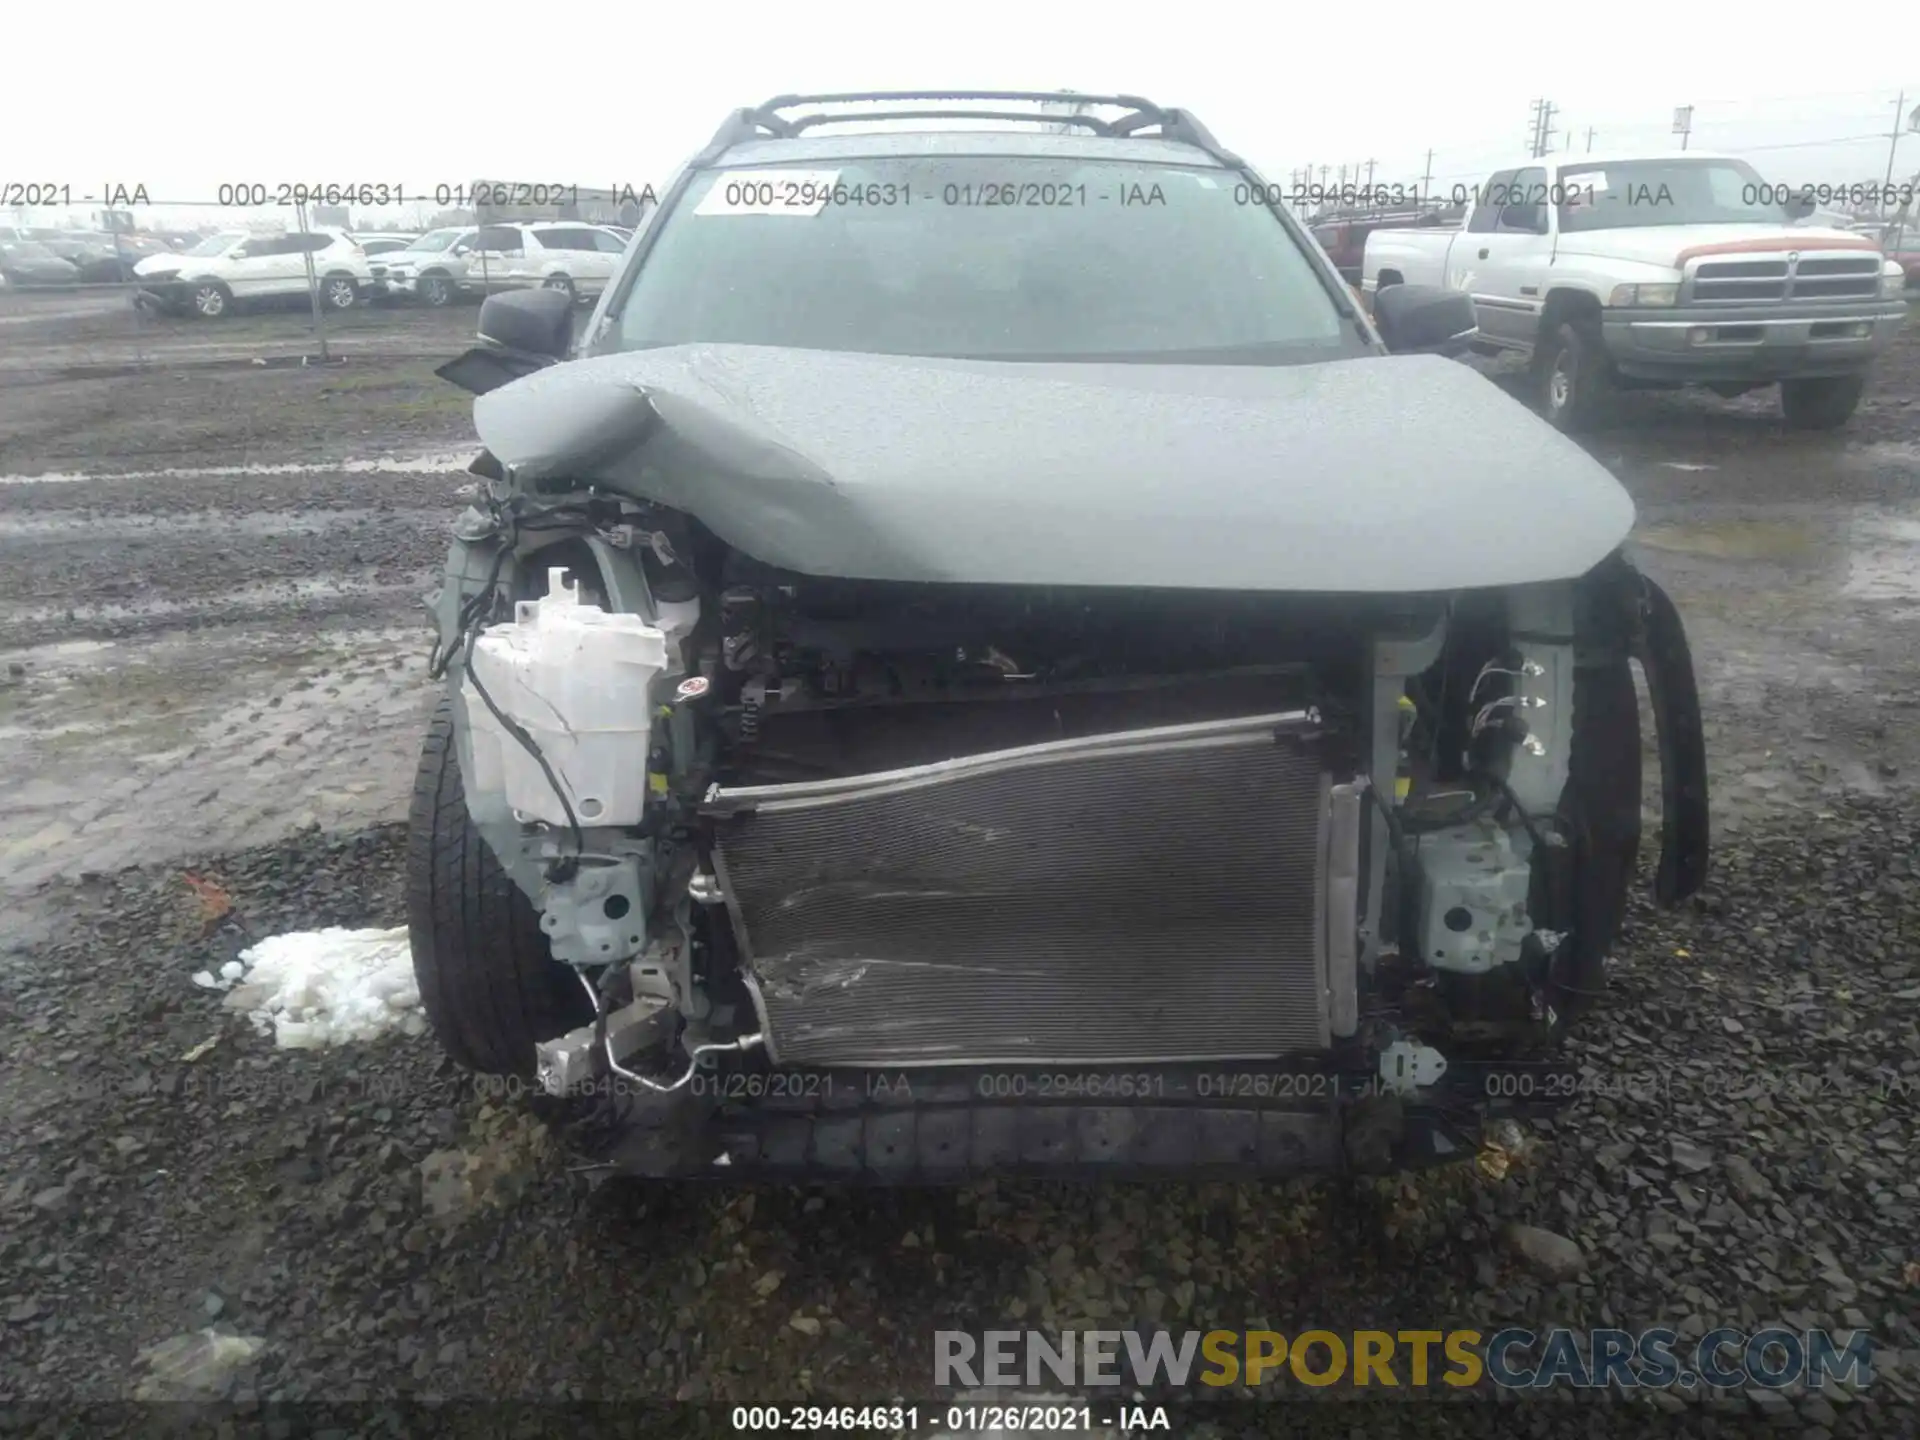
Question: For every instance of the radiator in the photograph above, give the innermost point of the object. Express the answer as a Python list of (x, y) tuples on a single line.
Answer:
[(1149, 895)]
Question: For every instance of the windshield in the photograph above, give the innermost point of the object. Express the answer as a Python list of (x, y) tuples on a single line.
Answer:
[(1031, 258), (216, 244), (1668, 191), (436, 240)]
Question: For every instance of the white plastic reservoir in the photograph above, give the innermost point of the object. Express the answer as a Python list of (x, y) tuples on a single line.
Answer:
[(576, 678)]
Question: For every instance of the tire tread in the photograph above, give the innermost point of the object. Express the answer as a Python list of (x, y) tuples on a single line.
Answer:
[(488, 982)]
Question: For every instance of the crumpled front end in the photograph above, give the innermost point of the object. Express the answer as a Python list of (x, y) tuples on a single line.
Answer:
[(905, 881)]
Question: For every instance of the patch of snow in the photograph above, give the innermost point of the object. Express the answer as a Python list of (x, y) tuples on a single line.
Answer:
[(315, 988)]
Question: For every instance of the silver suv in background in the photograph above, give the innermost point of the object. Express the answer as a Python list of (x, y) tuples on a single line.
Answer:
[(557, 255), (430, 269)]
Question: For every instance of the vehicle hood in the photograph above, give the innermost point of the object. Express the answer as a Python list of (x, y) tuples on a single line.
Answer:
[(155, 264), (1663, 244), (1377, 474)]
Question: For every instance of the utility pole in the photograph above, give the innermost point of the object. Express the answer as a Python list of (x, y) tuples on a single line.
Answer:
[(1370, 172), (1589, 139), (1543, 127), (1893, 138), (1683, 124)]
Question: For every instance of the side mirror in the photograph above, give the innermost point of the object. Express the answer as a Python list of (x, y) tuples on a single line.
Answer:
[(1799, 207), (1423, 318), (529, 322)]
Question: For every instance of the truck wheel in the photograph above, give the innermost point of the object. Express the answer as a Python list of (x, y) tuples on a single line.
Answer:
[(1823, 404), (490, 986), (1574, 378)]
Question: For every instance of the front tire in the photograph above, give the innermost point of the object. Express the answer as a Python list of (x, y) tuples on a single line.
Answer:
[(1826, 403), (339, 292), (1573, 378), (436, 291), (489, 984), (562, 282), (211, 300)]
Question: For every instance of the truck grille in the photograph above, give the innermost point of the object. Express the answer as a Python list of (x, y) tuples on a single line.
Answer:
[(1147, 895), (1837, 277)]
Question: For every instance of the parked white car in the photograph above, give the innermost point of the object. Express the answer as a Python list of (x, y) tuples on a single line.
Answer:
[(567, 255), (431, 269), (558, 255), (234, 268)]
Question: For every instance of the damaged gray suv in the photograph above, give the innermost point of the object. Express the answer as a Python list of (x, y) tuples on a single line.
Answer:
[(982, 658)]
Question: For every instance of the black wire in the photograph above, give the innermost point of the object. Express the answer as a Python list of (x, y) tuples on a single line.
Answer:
[(471, 614), (1513, 801)]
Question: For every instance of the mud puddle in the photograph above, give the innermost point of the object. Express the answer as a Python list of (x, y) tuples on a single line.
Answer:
[(435, 463), (117, 753), (94, 529), (241, 600), (1884, 560)]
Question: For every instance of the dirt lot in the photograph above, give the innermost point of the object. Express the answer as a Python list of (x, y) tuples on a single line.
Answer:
[(214, 647)]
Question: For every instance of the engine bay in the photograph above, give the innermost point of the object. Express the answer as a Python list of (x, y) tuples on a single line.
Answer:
[(925, 825)]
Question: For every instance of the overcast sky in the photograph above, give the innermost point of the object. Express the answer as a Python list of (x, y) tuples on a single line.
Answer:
[(607, 95)]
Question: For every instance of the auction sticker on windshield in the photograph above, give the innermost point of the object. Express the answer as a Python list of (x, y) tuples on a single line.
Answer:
[(769, 192)]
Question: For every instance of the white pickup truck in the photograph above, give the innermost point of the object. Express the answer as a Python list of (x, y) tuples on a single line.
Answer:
[(1654, 271)]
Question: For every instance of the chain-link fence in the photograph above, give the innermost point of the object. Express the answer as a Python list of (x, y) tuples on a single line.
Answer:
[(305, 283)]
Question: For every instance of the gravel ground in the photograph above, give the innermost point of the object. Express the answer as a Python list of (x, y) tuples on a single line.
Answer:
[(385, 1227)]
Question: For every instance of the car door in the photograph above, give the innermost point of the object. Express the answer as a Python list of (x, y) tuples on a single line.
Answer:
[(609, 247), (497, 249), (290, 265), (249, 268), (575, 251), (1506, 249), (551, 252)]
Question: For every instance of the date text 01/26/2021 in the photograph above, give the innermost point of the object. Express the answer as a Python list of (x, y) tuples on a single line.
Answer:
[(963, 1419)]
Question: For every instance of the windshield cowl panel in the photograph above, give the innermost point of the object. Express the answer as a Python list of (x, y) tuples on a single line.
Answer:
[(1040, 258)]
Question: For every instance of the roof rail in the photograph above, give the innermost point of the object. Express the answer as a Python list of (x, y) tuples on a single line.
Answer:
[(738, 128), (767, 121)]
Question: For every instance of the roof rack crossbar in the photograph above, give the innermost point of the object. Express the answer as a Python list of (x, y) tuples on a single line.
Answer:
[(1050, 97), (765, 120), (1091, 122)]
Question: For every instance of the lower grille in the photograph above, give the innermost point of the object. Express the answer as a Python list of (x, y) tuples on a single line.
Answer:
[(1149, 895)]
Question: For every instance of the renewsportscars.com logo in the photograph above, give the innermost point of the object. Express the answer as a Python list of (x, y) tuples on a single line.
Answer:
[(1511, 1358)]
